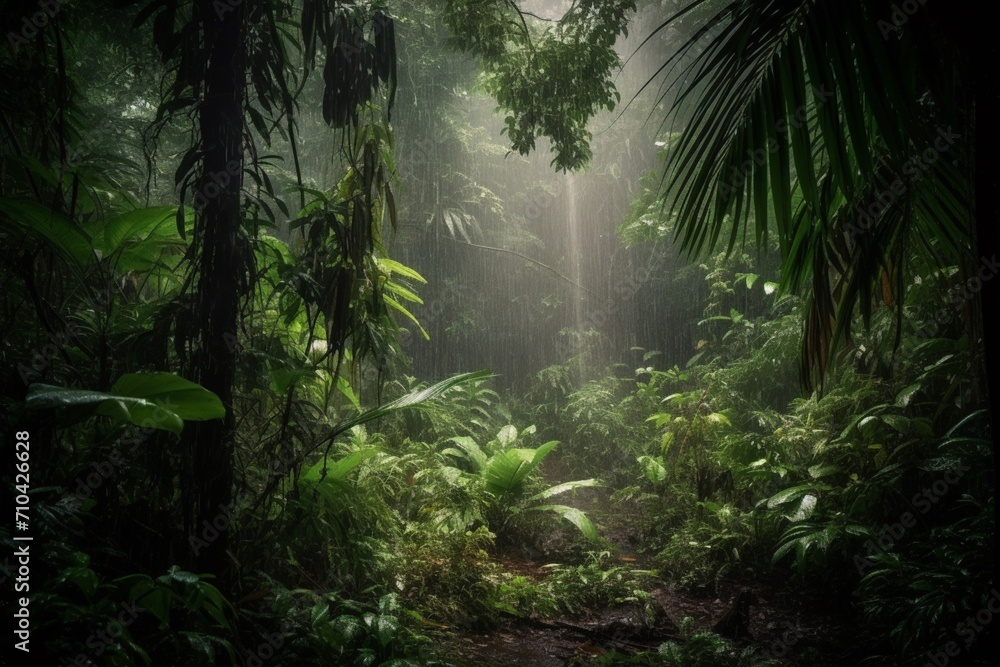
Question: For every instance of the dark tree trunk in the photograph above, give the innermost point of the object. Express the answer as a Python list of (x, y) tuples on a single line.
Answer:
[(221, 262), (983, 48)]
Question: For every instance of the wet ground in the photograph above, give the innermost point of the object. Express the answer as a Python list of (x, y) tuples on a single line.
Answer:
[(519, 645), (784, 625), (796, 633)]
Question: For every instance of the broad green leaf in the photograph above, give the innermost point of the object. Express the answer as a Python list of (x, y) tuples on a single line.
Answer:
[(153, 400), (804, 509), (59, 232), (471, 450), (866, 424), (818, 471), (386, 628), (788, 495), (659, 419), (186, 399), (898, 422), (507, 436), (904, 397), (655, 472), (403, 293), (201, 646), (718, 419), (406, 313), (136, 225), (392, 266), (505, 471), (345, 388), (337, 470), (348, 627), (563, 488), (319, 615), (283, 378), (157, 602), (574, 516)]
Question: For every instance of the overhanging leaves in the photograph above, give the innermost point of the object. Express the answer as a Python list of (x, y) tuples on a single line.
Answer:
[(152, 400)]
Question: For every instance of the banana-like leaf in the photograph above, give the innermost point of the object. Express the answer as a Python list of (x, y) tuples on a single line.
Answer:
[(653, 467), (789, 495), (904, 397), (187, 399), (406, 313), (805, 508), (470, 450), (326, 478), (507, 436), (153, 400), (392, 266), (574, 516)]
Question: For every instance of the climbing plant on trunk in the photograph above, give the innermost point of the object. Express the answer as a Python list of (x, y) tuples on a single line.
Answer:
[(222, 262), (232, 75)]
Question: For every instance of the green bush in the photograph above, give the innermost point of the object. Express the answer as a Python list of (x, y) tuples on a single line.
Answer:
[(597, 584), (447, 576)]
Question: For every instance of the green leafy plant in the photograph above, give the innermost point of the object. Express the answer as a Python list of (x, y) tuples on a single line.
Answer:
[(505, 478), (316, 627), (125, 620), (597, 583), (522, 596), (708, 547), (447, 576), (521, 60), (705, 649)]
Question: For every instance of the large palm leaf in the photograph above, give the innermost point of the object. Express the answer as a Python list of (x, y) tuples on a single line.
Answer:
[(798, 115)]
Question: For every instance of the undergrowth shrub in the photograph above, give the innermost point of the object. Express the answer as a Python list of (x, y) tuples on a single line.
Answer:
[(448, 576), (707, 548), (296, 627), (95, 613), (597, 584)]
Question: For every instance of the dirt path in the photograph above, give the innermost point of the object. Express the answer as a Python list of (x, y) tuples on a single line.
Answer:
[(785, 627), (820, 643), (520, 645)]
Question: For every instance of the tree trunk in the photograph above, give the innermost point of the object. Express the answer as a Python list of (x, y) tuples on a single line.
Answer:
[(217, 300)]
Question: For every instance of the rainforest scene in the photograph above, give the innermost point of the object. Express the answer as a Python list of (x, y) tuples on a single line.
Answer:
[(497, 333)]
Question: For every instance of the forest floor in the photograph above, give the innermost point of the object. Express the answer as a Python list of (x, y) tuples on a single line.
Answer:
[(784, 625)]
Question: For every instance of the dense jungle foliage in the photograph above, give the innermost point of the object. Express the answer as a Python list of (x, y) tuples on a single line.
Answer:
[(495, 332)]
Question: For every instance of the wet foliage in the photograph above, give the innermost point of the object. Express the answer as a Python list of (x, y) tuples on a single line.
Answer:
[(494, 333)]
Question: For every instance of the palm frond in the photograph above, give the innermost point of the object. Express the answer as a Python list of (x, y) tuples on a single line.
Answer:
[(799, 114)]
